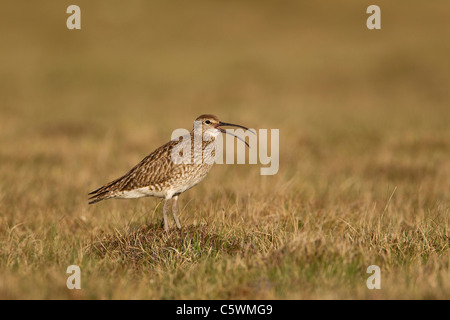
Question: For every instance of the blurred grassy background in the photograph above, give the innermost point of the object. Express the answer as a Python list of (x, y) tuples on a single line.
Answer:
[(361, 113)]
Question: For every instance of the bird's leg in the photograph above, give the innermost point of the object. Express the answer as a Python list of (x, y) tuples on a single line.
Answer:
[(175, 211), (165, 209)]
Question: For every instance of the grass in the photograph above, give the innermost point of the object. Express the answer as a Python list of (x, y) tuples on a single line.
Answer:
[(364, 173)]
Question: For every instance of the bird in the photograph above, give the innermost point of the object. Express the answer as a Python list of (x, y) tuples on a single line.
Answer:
[(171, 169)]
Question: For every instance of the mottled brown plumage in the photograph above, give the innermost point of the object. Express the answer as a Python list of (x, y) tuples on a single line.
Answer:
[(169, 170), (154, 170)]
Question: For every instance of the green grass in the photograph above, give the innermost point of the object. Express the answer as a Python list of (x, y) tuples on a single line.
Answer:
[(364, 150)]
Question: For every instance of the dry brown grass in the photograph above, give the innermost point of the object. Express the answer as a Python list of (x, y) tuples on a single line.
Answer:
[(364, 149)]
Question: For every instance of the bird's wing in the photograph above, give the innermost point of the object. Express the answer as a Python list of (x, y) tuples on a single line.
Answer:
[(153, 169)]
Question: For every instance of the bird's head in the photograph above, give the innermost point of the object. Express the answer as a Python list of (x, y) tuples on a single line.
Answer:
[(211, 125)]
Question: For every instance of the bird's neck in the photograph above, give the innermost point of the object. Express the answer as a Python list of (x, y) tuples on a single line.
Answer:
[(203, 147)]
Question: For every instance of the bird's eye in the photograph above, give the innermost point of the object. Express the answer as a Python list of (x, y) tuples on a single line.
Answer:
[(207, 122)]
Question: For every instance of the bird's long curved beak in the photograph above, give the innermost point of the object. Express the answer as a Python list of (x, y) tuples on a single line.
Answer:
[(232, 134)]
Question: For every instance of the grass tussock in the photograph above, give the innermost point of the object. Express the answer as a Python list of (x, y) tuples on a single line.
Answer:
[(149, 245)]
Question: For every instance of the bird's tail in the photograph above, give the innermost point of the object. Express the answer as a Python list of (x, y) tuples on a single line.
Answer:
[(93, 200), (98, 195), (107, 191)]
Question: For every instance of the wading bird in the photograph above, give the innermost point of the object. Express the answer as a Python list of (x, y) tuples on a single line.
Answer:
[(171, 169)]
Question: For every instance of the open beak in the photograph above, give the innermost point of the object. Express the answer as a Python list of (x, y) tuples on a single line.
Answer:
[(232, 134)]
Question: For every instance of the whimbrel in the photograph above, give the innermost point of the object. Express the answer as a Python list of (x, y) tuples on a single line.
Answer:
[(162, 175)]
